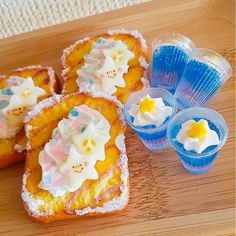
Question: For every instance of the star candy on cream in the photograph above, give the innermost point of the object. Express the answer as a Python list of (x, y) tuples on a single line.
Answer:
[(111, 75), (26, 93), (149, 111), (77, 143), (119, 53), (146, 105), (77, 169), (197, 135), (91, 143)]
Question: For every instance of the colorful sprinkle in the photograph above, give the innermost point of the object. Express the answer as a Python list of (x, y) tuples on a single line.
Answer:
[(100, 40), (6, 91), (83, 129), (74, 112)]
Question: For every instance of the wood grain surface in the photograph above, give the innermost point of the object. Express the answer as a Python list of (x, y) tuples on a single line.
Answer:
[(164, 200)]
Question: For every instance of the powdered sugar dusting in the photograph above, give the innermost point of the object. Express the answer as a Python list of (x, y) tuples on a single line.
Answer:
[(134, 33), (19, 148), (145, 82), (143, 62), (68, 50), (52, 79), (32, 204), (47, 102)]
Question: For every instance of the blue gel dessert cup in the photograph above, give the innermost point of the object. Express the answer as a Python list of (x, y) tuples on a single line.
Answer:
[(203, 76), (170, 54), (193, 162), (154, 138)]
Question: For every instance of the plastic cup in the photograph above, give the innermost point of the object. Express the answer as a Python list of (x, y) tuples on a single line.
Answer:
[(203, 76), (193, 162), (170, 54), (154, 138)]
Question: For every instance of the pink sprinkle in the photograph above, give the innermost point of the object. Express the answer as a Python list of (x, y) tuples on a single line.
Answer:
[(47, 167), (56, 181), (75, 123), (58, 151)]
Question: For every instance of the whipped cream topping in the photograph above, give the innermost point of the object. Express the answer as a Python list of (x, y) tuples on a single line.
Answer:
[(104, 66), (16, 99), (149, 111), (197, 135), (69, 158)]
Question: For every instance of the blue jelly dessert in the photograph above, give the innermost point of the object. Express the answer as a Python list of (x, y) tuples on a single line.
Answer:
[(197, 134), (148, 112), (203, 76), (168, 63)]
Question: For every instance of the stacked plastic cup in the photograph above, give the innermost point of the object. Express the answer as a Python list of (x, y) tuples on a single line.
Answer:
[(154, 138), (203, 76), (192, 161), (170, 54)]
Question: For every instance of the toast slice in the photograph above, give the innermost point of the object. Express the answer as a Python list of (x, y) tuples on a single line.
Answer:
[(109, 193), (12, 149), (73, 59)]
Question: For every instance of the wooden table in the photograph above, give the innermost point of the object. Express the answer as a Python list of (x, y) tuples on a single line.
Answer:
[(164, 200)]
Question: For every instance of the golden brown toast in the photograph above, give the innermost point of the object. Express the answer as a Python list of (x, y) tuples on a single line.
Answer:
[(135, 78), (108, 193), (11, 149)]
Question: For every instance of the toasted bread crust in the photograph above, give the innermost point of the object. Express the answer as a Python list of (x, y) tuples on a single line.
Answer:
[(135, 78), (64, 216), (43, 77), (115, 164)]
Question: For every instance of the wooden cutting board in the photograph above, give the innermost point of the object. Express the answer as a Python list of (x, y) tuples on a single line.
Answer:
[(164, 200)]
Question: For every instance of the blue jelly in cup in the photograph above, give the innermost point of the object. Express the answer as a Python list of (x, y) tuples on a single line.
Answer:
[(203, 76), (193, 162), (170, 54), (153, 137)]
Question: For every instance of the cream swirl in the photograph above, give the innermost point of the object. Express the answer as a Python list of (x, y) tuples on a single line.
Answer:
[(104, 66), (15, 101), (197, 136), (69, 158), (149, 111)]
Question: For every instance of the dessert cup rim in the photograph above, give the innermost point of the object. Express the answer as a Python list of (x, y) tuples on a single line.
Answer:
[(194, 110), (150, 130), (228, 70), (191, 46)]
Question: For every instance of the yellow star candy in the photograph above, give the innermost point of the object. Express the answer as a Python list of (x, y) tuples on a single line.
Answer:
[(197, 130), (146, 105)]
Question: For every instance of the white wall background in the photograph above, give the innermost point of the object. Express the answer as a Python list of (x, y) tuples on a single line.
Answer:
[(18, 16)]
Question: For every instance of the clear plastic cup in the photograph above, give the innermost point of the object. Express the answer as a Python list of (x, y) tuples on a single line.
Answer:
[(193, 162), (155, 139), (170, 54), (203, 76)]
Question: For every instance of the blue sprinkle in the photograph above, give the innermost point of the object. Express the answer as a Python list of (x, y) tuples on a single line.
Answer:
[(74, 112), (6, 91), (48, 179), (83, 129), (90, 81), (100, 40)]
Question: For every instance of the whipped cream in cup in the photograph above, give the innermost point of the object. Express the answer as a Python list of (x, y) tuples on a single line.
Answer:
[(197, 134), (148, 113)]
